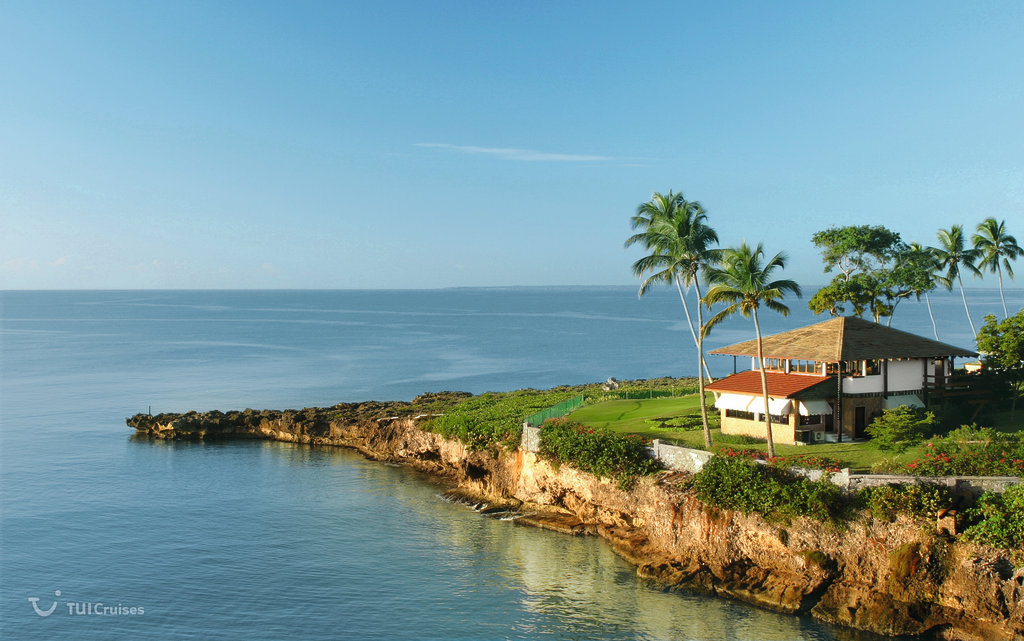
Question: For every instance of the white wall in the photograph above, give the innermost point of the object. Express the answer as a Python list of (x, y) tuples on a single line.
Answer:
[(906, 375), (862, 384), (903, 375)]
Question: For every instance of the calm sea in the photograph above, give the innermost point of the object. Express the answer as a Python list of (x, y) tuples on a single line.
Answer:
[(119, 539)]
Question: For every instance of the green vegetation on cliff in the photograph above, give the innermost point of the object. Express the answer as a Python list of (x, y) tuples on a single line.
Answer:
[(598, 451), (495, 419), (1000, 521), (738, 483)]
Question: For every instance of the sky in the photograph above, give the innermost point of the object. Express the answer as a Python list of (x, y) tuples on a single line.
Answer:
[(384, 144)]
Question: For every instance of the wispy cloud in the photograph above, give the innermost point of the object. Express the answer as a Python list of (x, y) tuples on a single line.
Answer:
[(516, 154)]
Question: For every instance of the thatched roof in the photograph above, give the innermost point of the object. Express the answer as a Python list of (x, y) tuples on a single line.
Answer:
[(846, 338)]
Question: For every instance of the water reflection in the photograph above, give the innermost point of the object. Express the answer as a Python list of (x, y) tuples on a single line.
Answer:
[(543, 583)]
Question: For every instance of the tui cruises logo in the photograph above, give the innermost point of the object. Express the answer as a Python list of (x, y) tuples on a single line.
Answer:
[(34, 600), (85, 608)]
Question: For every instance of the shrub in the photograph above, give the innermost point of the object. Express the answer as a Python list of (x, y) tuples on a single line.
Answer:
[(807, 461), (738, 483), (598, 451), (900, 427), (887, 501), (972, 451), (1000, 521)]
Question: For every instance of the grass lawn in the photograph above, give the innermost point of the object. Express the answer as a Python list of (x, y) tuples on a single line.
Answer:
[(631, 417)]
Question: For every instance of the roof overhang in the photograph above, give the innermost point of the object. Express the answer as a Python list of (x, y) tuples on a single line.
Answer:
[(813, 407), (910, 400), (749, 403)]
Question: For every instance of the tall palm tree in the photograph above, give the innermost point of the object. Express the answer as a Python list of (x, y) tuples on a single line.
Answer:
[(997, 249), (744, 282), (679, 238), (928, 258), (954, 257)]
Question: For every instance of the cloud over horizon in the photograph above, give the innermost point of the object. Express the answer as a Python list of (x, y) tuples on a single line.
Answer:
[(516, 154)]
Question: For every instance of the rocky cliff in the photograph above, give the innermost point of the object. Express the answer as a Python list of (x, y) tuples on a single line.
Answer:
[(889, 578)]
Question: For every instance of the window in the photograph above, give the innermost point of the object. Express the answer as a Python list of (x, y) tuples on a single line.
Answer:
[(813, 419), (749, 416), (775, 364), (855, 368), (803, 367)]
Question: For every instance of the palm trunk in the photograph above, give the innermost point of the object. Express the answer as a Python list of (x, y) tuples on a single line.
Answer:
[(700, 379), (964, 296), (999, 271), (764, 387), (689, 321), (935, 328)]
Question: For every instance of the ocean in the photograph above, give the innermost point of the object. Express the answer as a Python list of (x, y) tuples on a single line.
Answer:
[(107, 537)]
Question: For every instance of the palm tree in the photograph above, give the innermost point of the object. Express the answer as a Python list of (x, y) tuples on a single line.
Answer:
[(676, 232), (953, 257), (931, 262), (997, 249), (744, 283)]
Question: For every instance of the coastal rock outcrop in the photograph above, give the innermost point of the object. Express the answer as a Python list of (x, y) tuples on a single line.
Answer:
[(889, 578)]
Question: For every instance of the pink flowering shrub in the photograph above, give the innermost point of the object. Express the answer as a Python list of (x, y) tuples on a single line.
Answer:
[(971, 451)]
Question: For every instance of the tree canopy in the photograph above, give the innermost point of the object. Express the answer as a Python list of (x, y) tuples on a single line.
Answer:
[(1002, 342), (996, 250), (876, 268)]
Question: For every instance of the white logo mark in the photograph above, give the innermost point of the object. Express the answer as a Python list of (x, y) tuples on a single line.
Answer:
[(43, 613)]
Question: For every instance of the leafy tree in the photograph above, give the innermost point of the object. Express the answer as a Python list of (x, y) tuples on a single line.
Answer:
[(676, 233), (744, 283), (856, 248), (913, 274), (953, 257), (1002, 345), (877, 270), (997, 249), (900, 427)]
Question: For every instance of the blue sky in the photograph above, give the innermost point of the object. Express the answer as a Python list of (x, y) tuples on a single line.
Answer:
[(437, 144)]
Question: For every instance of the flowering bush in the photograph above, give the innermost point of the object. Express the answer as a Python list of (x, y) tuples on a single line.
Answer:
[(599, 451), (809, 461), (971, 451)]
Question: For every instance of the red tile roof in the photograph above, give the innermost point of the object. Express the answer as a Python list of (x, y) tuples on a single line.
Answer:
[(780, 385)]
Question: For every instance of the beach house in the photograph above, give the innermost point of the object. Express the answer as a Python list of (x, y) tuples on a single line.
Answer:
[(828, 381)]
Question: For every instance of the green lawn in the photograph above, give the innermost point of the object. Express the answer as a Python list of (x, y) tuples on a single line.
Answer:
[(631, 417)]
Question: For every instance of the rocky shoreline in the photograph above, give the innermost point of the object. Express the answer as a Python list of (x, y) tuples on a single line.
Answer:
[(892, 579)]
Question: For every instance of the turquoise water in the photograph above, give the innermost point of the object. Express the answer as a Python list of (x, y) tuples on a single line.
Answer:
[(278, 541)]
